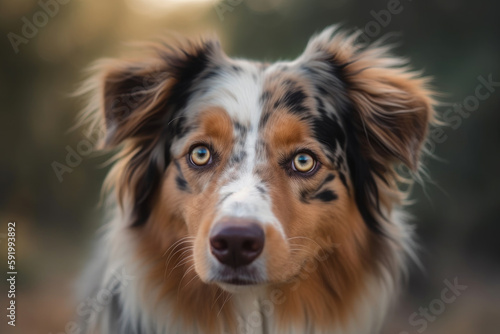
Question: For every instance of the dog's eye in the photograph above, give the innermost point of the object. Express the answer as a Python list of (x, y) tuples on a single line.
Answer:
[(200, 155), (303, 163)]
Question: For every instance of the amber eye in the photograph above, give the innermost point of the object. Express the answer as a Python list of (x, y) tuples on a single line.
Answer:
[(303, 163), (200, 155)]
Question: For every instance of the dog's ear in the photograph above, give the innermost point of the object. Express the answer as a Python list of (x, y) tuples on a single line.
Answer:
[(137, 97), (131, 91), (391, 105), (385, 109)]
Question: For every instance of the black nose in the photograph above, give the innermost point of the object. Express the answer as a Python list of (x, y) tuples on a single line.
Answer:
[(236, 242)]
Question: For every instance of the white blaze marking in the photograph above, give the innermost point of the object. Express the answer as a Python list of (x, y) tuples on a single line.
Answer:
[(241, 196)]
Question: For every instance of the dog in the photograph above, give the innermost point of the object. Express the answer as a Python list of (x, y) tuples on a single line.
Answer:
[(250, 197)]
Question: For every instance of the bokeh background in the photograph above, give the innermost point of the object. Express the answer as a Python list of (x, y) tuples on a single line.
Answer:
[(458, 211)]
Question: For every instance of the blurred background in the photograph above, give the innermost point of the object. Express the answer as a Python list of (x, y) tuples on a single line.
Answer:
[(47, 44)]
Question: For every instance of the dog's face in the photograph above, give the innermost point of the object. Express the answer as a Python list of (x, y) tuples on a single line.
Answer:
[(255, 169), (253, 179)]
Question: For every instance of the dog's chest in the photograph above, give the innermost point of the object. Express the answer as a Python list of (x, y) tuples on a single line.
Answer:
[(251, 314)]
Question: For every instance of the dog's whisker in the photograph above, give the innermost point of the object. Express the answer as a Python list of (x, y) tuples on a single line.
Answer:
[(181, 263), (192, 279), (305, 238), (224, 303), (191, 267), (184, 261), (183, 249), (172, 253), (179, 242), (189, 270), (220, 293)]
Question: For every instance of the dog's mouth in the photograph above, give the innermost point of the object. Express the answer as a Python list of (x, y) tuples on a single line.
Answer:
[(238, 281), (238, 277)]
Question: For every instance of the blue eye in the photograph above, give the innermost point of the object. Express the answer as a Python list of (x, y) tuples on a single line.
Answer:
[(303, 163), (200, 155)]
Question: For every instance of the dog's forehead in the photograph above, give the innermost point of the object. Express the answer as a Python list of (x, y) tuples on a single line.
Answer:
[(237, 87), (240, 88), (252, 93)]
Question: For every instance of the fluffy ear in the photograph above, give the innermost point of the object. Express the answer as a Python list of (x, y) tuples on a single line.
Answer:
[(392, 106), (385, 110), (139, 96), (131, 91), (138, 103)]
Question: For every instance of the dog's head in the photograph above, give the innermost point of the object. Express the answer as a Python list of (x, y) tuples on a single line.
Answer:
[(253, 169)]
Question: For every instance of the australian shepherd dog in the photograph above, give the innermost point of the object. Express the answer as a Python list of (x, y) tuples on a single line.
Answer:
[(250, 197)]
